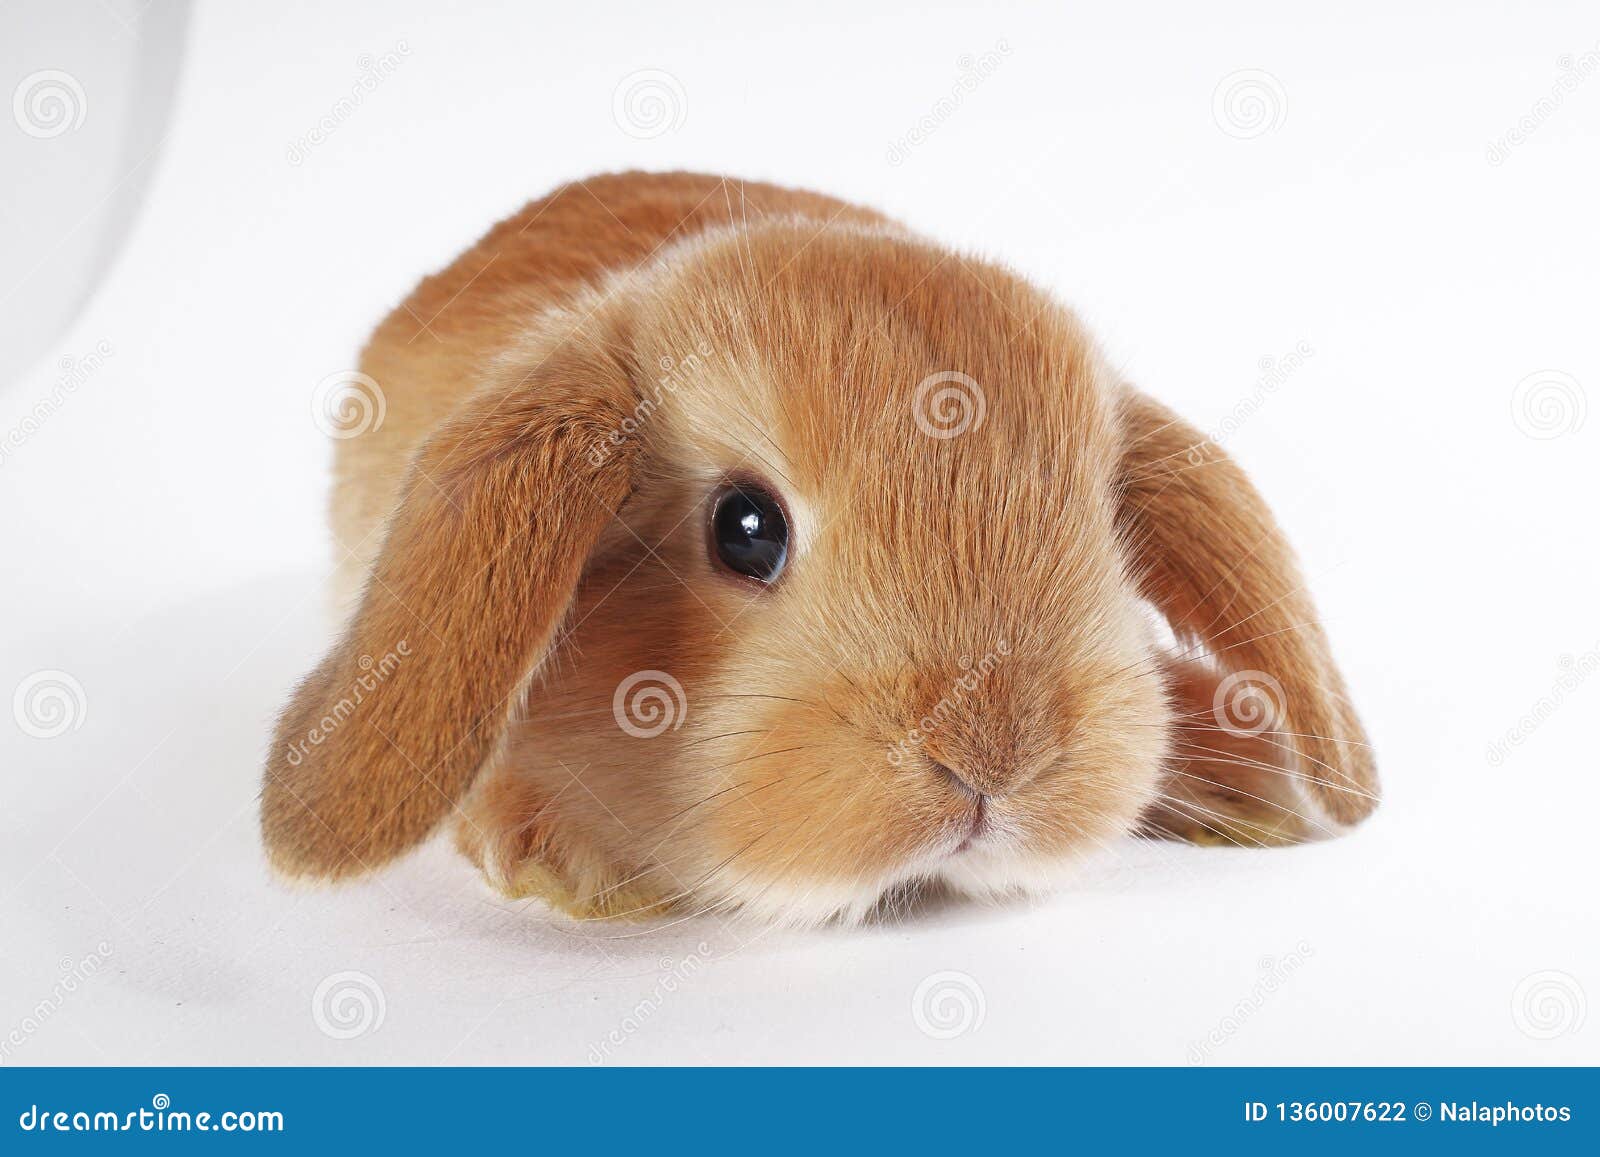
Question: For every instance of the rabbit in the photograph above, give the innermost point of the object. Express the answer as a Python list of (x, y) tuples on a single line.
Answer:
[(731, 547)]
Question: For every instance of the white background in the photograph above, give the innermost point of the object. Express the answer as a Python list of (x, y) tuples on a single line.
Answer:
[(163, 539)]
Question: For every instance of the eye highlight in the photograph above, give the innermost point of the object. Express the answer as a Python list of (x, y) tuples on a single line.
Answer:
[(749, 534)]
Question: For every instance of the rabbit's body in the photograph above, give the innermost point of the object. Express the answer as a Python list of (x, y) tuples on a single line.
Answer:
[(946, 672)]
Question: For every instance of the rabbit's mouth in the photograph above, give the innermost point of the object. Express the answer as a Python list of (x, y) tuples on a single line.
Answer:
[(979, 826)]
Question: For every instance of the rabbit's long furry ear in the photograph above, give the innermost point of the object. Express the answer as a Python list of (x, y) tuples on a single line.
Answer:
[(1276, 729), (499, 513)]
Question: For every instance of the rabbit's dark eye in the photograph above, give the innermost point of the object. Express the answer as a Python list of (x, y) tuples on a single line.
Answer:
[(749, 534)]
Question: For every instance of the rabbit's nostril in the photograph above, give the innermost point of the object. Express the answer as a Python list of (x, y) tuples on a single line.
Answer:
[(955, 778)]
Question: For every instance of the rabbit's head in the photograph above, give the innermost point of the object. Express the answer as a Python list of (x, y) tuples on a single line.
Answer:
[(799, 566)]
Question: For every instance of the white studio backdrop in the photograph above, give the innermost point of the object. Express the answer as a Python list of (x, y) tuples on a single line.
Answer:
[(1358, 245)]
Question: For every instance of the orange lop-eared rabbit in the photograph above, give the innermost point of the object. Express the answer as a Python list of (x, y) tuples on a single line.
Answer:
[(728, 546)]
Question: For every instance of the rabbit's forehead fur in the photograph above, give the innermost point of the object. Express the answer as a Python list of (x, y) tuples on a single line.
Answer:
[(896, 396), (941, 436)]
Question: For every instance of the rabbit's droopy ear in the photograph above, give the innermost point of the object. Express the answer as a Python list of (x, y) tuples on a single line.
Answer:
[(501, 509), (1209, 554)]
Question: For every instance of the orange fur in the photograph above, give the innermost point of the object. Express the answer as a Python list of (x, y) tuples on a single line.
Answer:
[(962, 630)]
